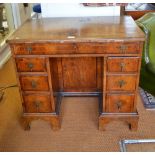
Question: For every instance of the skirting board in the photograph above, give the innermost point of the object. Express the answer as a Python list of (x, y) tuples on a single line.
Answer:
[(4, 56)]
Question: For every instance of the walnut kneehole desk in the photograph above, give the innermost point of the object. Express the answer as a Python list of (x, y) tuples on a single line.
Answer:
[(83, 56)]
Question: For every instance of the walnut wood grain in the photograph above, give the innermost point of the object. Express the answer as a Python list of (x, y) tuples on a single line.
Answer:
[(123, 64), (35, 103), (73, 48), (118, 47), (79, 29), (31, 64), (52, 118), (43, 48), (121, 82), (32, 83), (118, 103), (89, 55), (130, 119), (53, 103), (79, 74)]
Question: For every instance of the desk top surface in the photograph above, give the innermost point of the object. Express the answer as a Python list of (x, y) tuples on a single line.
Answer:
[(112, 28)]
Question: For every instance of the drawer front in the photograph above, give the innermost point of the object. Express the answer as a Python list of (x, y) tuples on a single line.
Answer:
[(122, 64), (121, 82), (34, 83), (67, 48), (37, 103), (119, 103), (44, 48), (31, 64), (112, 47)]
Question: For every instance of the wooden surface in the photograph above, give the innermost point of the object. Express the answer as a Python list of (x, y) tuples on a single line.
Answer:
[(31, 64), (122, 64), (79, 74), (78, 56), (121, 82), (136, 14), (119, 103), (37, 103), (119, 47), (34, 83), (78, 29)]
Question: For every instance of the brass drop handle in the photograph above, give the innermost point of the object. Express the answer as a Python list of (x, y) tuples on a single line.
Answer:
[(37, 104), (119, 105), (122, 65), (33, 84), (29, 49), (121, 83), (74, 46), (30, 65), (123, 48)]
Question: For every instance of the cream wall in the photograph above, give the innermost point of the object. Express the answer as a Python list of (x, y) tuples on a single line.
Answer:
[(77, 9), (25, 12), (21, 13)]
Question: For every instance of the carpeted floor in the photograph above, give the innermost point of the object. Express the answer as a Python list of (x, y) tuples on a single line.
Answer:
[(79, 131)]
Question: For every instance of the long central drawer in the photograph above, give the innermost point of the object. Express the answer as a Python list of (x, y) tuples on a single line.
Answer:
[(68, 48)]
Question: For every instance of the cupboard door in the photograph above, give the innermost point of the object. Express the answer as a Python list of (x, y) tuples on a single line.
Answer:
[(79, 74)]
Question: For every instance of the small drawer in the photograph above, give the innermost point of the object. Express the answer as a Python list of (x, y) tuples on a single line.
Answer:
[(118, 103), (37, 103), (92, 48), (122, 64), (125, 47), (44, 48), (34, 83), (31, 64), (109, 47), (121, 82)]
